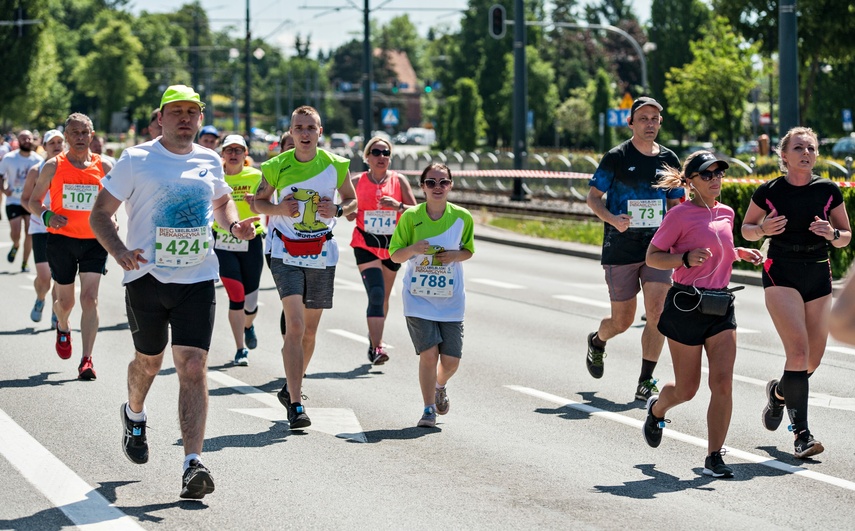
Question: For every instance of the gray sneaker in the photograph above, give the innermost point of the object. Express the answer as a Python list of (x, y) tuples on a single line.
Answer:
[(442, 402), (36, 313), (428, 419)]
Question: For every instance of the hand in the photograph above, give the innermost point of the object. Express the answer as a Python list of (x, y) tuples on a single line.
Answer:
[(698, 257), (388, 202), (327, 208), (245, 228), (822, 227), (447, 257), (130, 260), (773, 224), (57, 221), (290, 206), (621, 222), (420, 247), (749, 255)]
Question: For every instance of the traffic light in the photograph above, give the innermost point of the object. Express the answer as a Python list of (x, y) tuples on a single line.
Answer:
[(428, 87), (395, 86), (497, 21)]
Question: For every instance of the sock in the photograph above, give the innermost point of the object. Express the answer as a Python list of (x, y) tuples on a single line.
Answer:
[(440, 386), (796, 399), (599, 343), (135, 417), (647, 367), (779, 393), (189, 458), (810, 374), (432, 406)]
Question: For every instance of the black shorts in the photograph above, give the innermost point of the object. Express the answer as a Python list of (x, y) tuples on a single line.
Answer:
[(40, 247), (243, 267), (16, 211), (364, 256), (66, 256), (153, 307), (683, 321), (811, 279)]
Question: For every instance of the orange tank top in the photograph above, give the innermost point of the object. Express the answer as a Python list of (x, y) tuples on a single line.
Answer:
[(72, 194)]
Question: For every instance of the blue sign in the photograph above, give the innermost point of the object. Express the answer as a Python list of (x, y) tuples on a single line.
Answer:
[(847, 119), (389, 116), (345, 86), (617, 117)]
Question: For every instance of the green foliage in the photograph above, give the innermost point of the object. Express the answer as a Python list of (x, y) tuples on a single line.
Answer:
[(542, 94), (603, 100), (18, 50), (587, 232), (573, 118), (465, 117)]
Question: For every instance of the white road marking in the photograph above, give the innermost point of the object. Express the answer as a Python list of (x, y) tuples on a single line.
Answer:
[(495, 283), (697, 441), (79, 501), (582, 300), (841, 350), (340, 422), (356, 337)]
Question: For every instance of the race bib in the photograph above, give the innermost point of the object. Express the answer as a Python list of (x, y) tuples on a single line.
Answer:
[(645, 213), (311, 261), (180, 247), (431, 280), (380, 222), (79, 196), (227, 242)]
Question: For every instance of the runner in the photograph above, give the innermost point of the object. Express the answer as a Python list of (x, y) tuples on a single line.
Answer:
[(209, 137), (695, 240), (174, 190), (803, 215), (73, 179), (304, 253), (97, 146), (154, 129), (53, 144), (631, 212), (13, 173), (382, 195), (433, 238), (241, 261)]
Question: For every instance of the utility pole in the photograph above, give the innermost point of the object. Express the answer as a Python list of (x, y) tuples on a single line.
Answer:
[(788, 76), (520, 98), (247, 96), (367, 114)]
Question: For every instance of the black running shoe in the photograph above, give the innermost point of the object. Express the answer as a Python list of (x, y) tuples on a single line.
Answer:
[(197, 481), (773, 413), (250, 338), (297, 417), (594, 361), (652, 427), (283, 396), (134, 443), (806, 446), (714, 465)]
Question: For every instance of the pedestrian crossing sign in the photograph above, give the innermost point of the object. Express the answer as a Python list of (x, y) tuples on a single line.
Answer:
[(389, 116)]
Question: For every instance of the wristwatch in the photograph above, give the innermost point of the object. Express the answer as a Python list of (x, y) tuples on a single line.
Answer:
[(338, 211), (836, 234)]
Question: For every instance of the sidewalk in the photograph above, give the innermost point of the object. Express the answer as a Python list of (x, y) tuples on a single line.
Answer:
[(496, 235)]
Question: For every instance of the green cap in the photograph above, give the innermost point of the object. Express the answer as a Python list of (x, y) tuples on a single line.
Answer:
[(181, 93)]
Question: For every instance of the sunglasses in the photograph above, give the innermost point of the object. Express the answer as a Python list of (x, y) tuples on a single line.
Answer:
[(377, 152), (431, 183), (234, 151), (708, 175)]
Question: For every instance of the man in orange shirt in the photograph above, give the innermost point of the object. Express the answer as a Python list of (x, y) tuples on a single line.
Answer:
[(73, 180)]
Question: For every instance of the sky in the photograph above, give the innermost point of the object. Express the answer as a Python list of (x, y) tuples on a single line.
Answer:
[(330, 23)]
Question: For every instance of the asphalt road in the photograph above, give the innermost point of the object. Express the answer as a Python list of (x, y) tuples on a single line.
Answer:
[(531, 441)]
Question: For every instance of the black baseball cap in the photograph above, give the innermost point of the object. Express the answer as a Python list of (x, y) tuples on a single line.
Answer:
[(641, 102), (702, 161)]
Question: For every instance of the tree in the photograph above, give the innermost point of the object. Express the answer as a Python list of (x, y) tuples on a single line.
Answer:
[(573, 118), (603, 101), (401, 34), (542, 96), (708, 95), (467, 122), (18, 49)]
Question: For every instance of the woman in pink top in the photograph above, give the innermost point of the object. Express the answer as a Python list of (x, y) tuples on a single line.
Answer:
[(696, 240), (381, 194)]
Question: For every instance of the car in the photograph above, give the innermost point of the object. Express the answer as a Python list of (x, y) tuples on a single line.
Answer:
[(845, 147), (752, 147), (339, 141)]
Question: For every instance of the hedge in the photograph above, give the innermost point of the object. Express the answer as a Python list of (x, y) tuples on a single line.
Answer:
[(738, 197)]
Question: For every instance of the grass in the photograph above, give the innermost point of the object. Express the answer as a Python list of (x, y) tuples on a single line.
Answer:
[(589, 232)]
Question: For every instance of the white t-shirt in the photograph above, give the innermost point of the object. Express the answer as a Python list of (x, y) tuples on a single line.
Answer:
[(14, 168), (169, 198), (37, 226)]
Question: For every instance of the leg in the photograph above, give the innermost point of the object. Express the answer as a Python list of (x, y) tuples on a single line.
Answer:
[(236, 319), (191, 366), (28, 241), (817, 313), (428, 360), (448, 365), (141, 373), (372, 278), (687, 376), (312, 320), (623, 314), (15, 232), (42, 281), (721, 355), (64, 304), (654, 300), (292, 350), (89, 283)]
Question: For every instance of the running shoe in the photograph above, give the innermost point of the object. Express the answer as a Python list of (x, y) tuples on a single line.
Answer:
[(63, 344), (377, 355), (646, 389), (250, 338), (13, 252), (36, 313), (283, 396), (25, 268), (85, 371), (773, 413), (653, 425), (53, 321), (441, 400), (242, 357), (134, 443), (197, 481), (297, 417), (594, 361), (714, 465), (428, 419), (806, 446)]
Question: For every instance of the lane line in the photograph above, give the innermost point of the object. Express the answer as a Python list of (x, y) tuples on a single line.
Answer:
[(841, 350), (582, 300), (79, 501), (357, 337), (682, 437), (495, 283)]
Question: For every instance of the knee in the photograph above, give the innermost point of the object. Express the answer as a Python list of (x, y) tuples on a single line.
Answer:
[(88, 301), (192, 366), (375, 286), (686, 392), (721, 387), (622, 322)]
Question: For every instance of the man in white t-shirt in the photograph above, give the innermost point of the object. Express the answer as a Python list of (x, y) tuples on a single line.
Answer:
[(13, 174), (174, 190)]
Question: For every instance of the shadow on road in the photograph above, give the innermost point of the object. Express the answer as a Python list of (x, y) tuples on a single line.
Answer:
[(402, 434), (35, 380), (278, 432)]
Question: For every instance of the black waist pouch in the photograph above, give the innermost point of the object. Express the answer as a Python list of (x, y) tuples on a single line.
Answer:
[(717, 302)]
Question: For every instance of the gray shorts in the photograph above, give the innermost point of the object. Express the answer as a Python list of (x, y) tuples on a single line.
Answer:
[(314, 285), (625, 281), (426, 334)]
